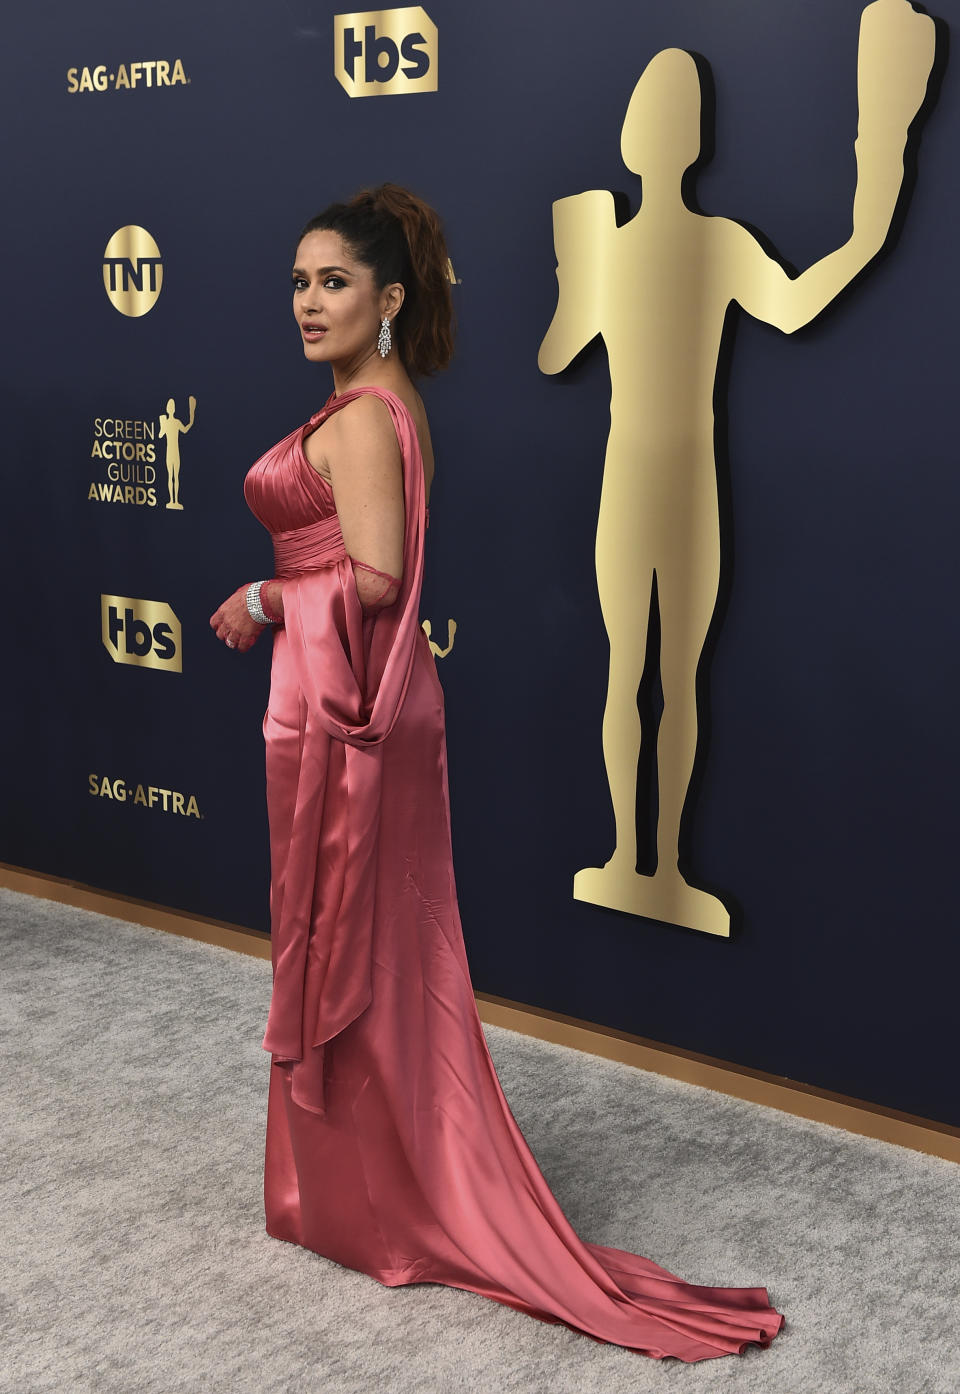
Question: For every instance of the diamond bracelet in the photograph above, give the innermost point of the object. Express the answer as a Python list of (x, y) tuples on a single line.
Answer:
[(254, 605)]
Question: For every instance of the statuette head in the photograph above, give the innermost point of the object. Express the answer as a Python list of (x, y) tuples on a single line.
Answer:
[(661, 130)]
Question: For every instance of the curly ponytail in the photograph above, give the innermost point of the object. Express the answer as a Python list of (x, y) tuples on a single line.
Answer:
[(400, 238)]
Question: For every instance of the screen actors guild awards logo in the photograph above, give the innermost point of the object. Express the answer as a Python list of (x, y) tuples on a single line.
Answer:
[(132, 271), (385, 53), (128, 447), (657, 290)]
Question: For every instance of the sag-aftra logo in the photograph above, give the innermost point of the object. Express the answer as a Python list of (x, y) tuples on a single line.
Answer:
[(101, 786), (148, 72), (145, 633), (385, 53)]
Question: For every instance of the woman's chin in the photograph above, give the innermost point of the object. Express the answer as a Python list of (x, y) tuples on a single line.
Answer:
[(316, 353)]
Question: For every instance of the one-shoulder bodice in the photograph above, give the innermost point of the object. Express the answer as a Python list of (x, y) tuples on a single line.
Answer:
[(295, 503), (283, 489)]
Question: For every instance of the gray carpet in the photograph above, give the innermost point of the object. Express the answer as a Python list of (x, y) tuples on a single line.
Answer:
[(134, 1256)]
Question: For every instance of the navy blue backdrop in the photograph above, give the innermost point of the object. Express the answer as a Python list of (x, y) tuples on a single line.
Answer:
[(828, 802)]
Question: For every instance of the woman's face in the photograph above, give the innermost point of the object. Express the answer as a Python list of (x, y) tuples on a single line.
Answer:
[(335, 300)]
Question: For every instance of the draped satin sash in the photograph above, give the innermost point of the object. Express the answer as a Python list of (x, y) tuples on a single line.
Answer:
[(352, 672), (307, 548)]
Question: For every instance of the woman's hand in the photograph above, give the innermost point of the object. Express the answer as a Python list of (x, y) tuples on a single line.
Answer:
[(233, 624)]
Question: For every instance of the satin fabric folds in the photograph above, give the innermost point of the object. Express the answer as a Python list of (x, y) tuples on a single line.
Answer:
[(390, 1146)]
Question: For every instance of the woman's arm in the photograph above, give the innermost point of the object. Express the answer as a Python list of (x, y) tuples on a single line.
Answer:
[(233, 624), (361, 457)]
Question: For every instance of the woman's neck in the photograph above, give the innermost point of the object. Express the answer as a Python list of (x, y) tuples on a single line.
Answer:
[(369, 371)]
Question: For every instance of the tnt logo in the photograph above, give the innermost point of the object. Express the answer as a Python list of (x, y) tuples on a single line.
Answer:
[(145, 633), (383, 53), (132, 271)]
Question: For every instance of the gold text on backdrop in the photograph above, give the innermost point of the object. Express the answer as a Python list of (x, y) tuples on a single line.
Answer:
[(657, 290), (126, 447), (148, 72), (385, 53), (145, 633), (172, 430), (132, 271), (144, 795)]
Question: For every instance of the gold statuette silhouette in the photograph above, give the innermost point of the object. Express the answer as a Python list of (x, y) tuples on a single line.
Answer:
[(173, 429), (657, 289), (435, 648)]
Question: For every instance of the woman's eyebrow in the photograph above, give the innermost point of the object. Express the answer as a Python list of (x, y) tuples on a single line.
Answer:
[(322, 270)]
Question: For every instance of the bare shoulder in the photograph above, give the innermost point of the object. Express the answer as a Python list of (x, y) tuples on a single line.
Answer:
[(365, 424), (362, 431)]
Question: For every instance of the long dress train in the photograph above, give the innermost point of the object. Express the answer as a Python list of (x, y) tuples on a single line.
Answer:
[(390, 1146)]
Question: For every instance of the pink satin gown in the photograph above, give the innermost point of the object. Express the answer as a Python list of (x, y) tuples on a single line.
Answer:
[(390, 1146)]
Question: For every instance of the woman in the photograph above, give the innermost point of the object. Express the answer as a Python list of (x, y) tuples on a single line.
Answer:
[(390, 1146)]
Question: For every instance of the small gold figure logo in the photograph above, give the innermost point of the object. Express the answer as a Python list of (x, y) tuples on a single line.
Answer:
[(435, 648), (657, 289), (132, 271), (385, 53), (172, 430)]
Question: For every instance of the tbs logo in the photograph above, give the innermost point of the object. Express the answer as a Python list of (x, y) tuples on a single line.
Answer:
[(383, 53), (145, 633)]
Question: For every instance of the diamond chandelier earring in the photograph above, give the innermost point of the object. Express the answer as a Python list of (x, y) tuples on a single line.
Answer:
[(384, 341)]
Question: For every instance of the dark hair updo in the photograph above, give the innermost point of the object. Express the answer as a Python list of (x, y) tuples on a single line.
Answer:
[(400, 238)]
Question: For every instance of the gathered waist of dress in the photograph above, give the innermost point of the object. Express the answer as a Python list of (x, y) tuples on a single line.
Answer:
[(308, 548)]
